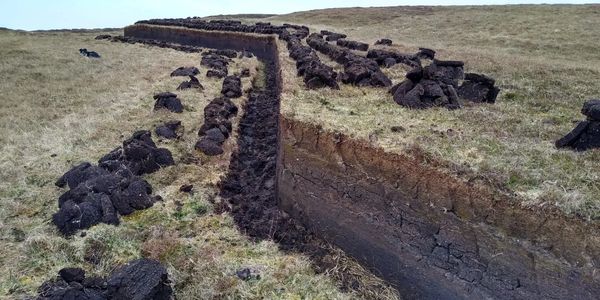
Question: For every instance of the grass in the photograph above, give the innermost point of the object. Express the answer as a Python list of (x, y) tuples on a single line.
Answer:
[(545, 60), (57, 109)]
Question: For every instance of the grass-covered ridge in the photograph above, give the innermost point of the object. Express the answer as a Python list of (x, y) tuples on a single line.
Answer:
[(545, 60), (58, 108)]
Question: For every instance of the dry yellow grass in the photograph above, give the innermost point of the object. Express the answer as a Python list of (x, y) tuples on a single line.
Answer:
[(545, 60), (57, 109)]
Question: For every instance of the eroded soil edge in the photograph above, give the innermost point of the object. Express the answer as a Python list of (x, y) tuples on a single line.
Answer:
[(428, 233)]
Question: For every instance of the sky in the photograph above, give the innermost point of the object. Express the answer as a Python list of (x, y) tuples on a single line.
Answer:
[(61, 14)]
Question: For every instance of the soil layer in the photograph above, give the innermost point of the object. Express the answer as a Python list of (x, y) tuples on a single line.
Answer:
[(428, 233)]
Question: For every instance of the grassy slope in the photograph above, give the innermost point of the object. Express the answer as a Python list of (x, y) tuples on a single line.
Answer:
[(545, 59), (57, 109)]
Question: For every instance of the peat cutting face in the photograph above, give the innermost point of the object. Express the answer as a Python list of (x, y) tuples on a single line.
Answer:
[(303, 187)]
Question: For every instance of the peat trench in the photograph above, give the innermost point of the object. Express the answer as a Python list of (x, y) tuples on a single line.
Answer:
[(250, 186), (431, 235)]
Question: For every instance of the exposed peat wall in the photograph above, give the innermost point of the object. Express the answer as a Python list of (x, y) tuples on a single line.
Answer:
[(263, 46), (428, 233)]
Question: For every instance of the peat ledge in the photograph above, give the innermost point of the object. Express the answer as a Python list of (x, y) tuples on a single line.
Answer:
[(428, 233)]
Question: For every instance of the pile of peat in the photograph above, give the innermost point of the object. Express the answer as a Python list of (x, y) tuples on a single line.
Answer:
[(99, 194), (216, 63), (358, 70), (586, 135), (331, 36), (352, 45), (142, 279), (316, 74), (438, 85), (217, 127)]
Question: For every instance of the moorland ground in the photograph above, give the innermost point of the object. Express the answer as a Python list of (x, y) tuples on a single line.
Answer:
[(59, 108), (543, 57)]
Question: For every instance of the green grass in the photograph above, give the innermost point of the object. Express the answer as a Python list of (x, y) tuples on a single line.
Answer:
[(545, 60)]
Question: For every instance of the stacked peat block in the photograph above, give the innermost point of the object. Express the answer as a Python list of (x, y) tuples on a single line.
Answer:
[(139, 154), (142, 279), (193, 83), (191, 72), (434, 85), (586, 135), (217, 127), (232, 87), (299, 31), (216, 63), (315, 73), (331, 36), (385, 58), (185, 71), (98, 194), (168, 130), (426, 53), (103, 37), (442, 84), (358, 70), (352, 45), (478, 88), (168, 101)]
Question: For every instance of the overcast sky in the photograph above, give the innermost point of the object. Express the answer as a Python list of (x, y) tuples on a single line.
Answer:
[(59, 14)]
